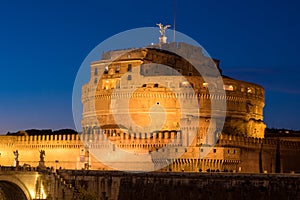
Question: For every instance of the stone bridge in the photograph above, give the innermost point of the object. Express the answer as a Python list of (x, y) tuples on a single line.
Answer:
[(28, 183), (21, 184)]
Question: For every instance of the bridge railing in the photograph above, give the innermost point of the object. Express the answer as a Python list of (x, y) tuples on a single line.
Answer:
[(19, 168)]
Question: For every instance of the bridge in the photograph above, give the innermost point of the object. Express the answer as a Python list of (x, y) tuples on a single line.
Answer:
[(21, 183), (32, 183)]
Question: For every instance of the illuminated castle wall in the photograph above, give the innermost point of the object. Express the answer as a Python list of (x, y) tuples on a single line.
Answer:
[(62, 150), (231, 153)]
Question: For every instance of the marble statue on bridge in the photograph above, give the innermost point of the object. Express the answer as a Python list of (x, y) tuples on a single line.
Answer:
[(16, 160), (42, 161)]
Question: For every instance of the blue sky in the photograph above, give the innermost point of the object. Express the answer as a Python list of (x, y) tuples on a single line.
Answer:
[(43, 43)]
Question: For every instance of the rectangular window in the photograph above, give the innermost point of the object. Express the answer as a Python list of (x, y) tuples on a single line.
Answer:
[(215, 150), (118, 85), (129, 77), (96, 71), (250, 90), (129, 67), (117, 68), (228, 87)]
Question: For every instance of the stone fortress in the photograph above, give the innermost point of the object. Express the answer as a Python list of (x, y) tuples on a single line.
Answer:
[(133, 86), (244, 117)]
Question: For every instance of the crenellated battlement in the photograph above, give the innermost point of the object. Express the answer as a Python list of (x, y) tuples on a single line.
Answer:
[(44, 137), (252, 142)]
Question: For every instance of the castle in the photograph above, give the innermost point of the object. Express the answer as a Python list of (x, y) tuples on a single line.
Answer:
[(164, 107), (127, 87)]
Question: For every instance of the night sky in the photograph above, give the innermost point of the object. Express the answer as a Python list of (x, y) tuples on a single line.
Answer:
[(43, 43)]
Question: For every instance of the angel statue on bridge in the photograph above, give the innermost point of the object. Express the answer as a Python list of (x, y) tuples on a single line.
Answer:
[(42, 155), (16, 160)]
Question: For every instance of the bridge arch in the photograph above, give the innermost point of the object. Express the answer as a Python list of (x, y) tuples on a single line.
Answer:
[(11, 188)]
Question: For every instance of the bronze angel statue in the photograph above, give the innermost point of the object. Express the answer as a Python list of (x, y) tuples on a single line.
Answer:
[(163, 28)]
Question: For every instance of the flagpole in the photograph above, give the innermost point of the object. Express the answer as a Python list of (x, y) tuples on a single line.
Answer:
[(174, 21)]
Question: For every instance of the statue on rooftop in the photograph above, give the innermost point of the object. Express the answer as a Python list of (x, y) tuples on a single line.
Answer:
[(162, 29)]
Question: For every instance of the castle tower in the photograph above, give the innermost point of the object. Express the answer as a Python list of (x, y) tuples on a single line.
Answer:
[(168, 101)]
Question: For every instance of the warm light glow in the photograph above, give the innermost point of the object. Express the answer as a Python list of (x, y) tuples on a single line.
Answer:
[(32, 193), (205, 85), (228, 87), (43, 194), (185, 84)]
